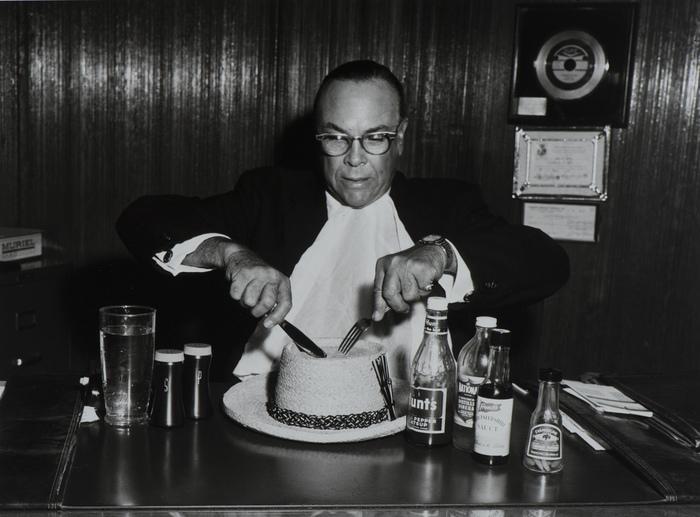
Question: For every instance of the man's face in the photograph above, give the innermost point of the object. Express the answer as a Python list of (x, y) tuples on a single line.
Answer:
[(357, 178)]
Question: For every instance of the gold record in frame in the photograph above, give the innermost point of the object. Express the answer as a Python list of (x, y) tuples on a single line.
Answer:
[(570, 65)]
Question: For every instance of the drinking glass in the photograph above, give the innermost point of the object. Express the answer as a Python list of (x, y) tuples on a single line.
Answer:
[(127, 340)]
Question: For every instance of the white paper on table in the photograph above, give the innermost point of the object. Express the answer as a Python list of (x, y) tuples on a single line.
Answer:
[(89, 415), (574, 428), (606, 399)]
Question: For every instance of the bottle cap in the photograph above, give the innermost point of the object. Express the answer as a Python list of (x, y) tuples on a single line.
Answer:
[(550, 375), (500, 337), (437, 303), (197, 349), (168, 355), (486, 322)]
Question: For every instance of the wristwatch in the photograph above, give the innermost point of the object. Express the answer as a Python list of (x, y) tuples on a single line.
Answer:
[(439, 240)]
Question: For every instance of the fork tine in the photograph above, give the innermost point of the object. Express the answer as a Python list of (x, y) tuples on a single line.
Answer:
[(345, 339), (348, 337), (355, 332)]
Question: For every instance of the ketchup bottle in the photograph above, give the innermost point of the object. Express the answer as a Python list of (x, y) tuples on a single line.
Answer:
[(431, 404)]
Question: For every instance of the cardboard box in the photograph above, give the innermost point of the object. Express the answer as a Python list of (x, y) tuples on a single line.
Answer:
[(19, 243)]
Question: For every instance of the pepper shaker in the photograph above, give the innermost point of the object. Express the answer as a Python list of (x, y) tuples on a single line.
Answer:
[(196, 388), (168, 410)]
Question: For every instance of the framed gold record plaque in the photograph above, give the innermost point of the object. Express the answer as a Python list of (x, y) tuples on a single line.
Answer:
[(572, 64)]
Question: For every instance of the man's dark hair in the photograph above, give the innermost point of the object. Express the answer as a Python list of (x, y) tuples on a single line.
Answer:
[(363, 70)]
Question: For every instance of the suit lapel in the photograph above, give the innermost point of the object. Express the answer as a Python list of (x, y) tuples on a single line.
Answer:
[(408, 206), (305, 216)]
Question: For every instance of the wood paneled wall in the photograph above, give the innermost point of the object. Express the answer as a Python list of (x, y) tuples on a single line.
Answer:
[(101, 102)]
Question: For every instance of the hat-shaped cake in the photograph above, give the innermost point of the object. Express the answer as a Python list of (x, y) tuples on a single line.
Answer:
[(335, 392), (334, 399)]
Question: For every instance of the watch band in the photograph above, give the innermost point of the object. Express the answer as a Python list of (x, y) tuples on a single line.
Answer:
[(438, 240)]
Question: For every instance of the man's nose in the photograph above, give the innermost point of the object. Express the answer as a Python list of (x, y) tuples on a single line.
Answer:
[(356, 154)]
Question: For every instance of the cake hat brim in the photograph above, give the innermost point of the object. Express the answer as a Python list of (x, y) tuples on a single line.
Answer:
[(246, 403)]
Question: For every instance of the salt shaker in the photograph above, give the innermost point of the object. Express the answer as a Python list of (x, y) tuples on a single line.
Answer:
[(167, 410), (196, 380)]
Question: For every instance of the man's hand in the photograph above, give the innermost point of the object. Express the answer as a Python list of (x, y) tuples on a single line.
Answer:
[(254, 283), (258, 287), (405, 277)]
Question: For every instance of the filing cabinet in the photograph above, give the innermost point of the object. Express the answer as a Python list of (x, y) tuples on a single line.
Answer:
[(35, 335)]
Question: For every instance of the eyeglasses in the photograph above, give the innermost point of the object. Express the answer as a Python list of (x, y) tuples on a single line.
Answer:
[(337, 144)]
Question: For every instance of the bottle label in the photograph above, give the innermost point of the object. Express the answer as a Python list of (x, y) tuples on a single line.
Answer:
[(544, 442), (435, 325), (426, 412), (467, 387), (492, 426)]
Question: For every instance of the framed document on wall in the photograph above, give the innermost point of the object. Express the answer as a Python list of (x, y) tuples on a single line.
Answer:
[(572, 64), (557, 164)]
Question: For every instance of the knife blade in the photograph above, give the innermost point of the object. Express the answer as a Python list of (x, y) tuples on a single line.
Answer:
[(301, 340)]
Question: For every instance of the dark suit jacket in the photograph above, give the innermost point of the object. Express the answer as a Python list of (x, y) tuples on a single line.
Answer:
[(278, 213)]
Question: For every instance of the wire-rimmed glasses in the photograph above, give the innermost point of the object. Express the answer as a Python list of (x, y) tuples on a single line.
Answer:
[(337, 144)]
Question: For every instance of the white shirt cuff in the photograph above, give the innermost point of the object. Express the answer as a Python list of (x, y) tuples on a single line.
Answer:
[(177, 254), (462, 285)]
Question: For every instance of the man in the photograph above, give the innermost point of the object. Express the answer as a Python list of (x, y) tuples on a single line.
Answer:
[(360, 240)]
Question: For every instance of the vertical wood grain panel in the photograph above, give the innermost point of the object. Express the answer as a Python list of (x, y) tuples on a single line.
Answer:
[(120, 99), (8, 116), (630, 305), (46, 185)]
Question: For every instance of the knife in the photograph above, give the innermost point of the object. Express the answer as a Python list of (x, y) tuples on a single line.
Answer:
[(302, 342)]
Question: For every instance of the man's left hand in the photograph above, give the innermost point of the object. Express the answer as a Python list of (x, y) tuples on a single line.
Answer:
[(406, 276)]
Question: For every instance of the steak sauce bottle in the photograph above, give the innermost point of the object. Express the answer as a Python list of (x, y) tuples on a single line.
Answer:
[(494, 405), (431, 401), (472, 366)]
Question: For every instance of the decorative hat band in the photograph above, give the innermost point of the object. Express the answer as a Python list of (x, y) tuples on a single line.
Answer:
[(328, 422)]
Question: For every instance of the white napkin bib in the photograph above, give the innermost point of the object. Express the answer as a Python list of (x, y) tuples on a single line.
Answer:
[(332, 288)]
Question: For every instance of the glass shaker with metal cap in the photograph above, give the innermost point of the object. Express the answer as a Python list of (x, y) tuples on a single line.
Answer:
[(167, 410), (196, 380)]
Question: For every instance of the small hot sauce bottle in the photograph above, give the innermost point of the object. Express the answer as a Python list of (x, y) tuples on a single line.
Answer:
[(494, 405), (431, 401), (543, 450)]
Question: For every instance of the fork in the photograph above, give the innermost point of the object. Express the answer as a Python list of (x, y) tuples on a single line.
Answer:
[(354, 333)]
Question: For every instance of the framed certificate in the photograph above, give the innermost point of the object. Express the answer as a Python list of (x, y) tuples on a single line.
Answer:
[(567, 165)]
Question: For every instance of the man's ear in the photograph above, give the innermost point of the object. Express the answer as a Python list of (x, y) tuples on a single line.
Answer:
[(399, 135)]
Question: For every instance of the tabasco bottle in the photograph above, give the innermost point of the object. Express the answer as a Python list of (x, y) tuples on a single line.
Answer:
[(431, 401), (494, 405), (472, 365)]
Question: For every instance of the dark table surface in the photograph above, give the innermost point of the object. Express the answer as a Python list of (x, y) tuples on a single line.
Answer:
[(217, 467), (216, 463)]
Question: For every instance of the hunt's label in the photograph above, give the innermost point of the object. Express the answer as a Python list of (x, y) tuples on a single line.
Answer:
[(467, 388), (492, 426), (544, 442), (426, 412)]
